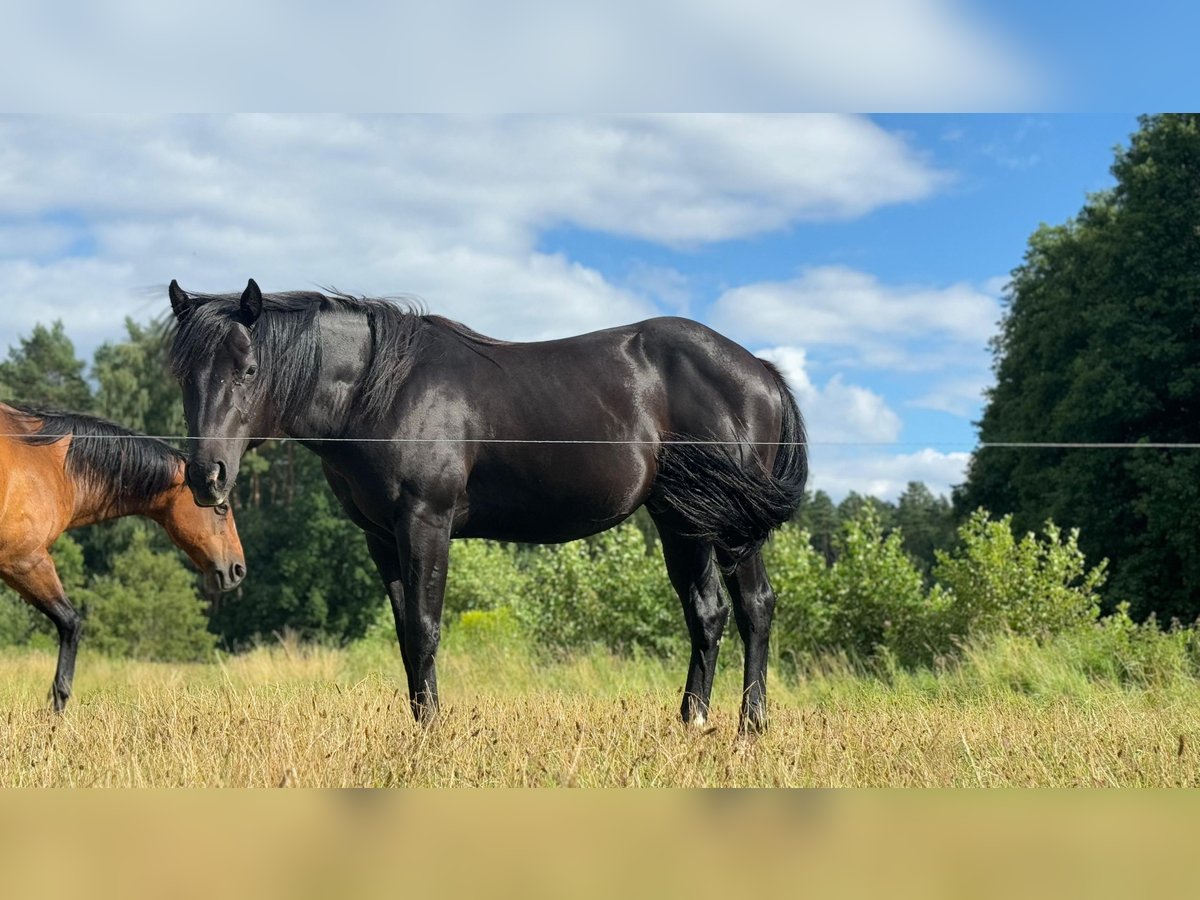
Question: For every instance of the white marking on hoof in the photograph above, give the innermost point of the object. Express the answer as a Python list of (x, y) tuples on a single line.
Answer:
[(698, 720)]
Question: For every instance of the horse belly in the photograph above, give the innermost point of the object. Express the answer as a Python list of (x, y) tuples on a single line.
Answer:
[(556, 494)]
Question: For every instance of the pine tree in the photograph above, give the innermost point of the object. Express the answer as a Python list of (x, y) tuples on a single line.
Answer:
[(44, 371)]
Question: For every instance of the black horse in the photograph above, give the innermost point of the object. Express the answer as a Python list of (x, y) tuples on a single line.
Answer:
[(429, 431)]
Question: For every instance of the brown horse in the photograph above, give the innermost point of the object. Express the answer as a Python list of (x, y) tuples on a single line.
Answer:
[(63, 470)]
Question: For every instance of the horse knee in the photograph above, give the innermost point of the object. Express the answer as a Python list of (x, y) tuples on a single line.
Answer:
[(755, 612), (709, 624), (69, 624)]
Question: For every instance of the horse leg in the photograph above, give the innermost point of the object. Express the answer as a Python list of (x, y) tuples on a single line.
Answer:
[(753, 608), (387, 561), (693, 574), (39, 584), (424, 543)]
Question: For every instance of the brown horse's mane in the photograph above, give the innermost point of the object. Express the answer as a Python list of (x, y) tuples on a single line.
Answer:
[(124, 465)]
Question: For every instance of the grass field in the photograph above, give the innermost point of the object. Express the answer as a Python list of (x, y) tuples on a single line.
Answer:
[(303, 716)]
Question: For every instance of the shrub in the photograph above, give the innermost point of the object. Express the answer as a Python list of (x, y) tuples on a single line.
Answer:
[(803, 616), (877, 596), (1119, 649), (608, 591), (487, 632), (1036, 586), (483, 575), (869, 604), (147, 608)]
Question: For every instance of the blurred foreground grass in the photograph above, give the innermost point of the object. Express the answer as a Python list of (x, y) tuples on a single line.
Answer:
[(293, 715)]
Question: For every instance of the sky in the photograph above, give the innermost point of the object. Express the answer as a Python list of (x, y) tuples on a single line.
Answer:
[(866, 255), (600, 56)]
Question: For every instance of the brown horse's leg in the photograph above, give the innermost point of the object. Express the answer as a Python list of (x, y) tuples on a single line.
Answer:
[(37, 581), (753, 608), (694, 576)]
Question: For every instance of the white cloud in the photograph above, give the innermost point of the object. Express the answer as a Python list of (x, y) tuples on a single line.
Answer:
[(837, 412), (886, 475), (957, 396), (668, 179), (843, 422), (845, 308), (450, 208), (525, 55)]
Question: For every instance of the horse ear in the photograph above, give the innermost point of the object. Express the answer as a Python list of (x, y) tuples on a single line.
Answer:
[(252, 303), (181, 303)]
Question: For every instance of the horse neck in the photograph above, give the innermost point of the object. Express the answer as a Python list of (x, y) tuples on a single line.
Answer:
[(345, 350), (99, 503)]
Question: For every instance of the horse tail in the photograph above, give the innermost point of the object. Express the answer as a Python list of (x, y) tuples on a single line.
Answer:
[(730, 501)]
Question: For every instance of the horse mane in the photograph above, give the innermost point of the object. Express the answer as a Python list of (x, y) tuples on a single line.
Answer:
[(286, 339), (126, 466)]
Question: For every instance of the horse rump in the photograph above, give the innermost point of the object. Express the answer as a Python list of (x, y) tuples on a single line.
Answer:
[(723, 493)]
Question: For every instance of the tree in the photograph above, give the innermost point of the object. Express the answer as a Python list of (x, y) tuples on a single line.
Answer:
[(926, 522), (44, 371), (854, 505), (819, 517), (1100, 342), (147, 608), (308, 564), (135, 386)]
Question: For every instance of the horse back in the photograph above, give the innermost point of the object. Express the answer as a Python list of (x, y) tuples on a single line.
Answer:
[(562, 437)]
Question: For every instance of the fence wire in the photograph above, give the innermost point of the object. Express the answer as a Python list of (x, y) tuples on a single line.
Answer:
[(979, 445)]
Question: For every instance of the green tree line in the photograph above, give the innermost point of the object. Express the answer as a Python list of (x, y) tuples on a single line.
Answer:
[(1100, 343)]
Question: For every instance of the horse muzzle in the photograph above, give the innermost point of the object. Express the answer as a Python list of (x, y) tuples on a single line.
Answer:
[(209, 482), (226, 578)]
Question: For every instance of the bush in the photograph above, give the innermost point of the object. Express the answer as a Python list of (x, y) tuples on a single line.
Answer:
[(877, 597), (869, 604), (487, 633), (608, 591), (147, 608), (483, 575), (1036, 586), (1116, 648), (803, 617)]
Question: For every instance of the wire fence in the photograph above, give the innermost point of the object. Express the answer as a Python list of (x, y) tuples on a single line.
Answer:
[(977, 445)]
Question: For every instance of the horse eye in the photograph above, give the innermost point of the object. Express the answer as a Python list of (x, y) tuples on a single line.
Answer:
[(251, 371)]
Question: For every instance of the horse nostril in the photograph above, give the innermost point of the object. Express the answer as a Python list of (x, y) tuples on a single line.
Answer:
[(239, 571), (216, 474)]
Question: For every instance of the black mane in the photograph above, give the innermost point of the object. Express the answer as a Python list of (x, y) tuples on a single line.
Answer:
[(288, 346), (129, 467)]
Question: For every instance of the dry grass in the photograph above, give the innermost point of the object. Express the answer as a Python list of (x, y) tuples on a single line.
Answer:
[(319, 717)]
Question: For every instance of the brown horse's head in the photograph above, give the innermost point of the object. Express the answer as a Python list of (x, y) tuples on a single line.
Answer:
[(208, 535)]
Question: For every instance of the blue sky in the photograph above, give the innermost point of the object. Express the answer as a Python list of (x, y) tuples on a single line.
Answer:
[(865, 255), (1007, 174)]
